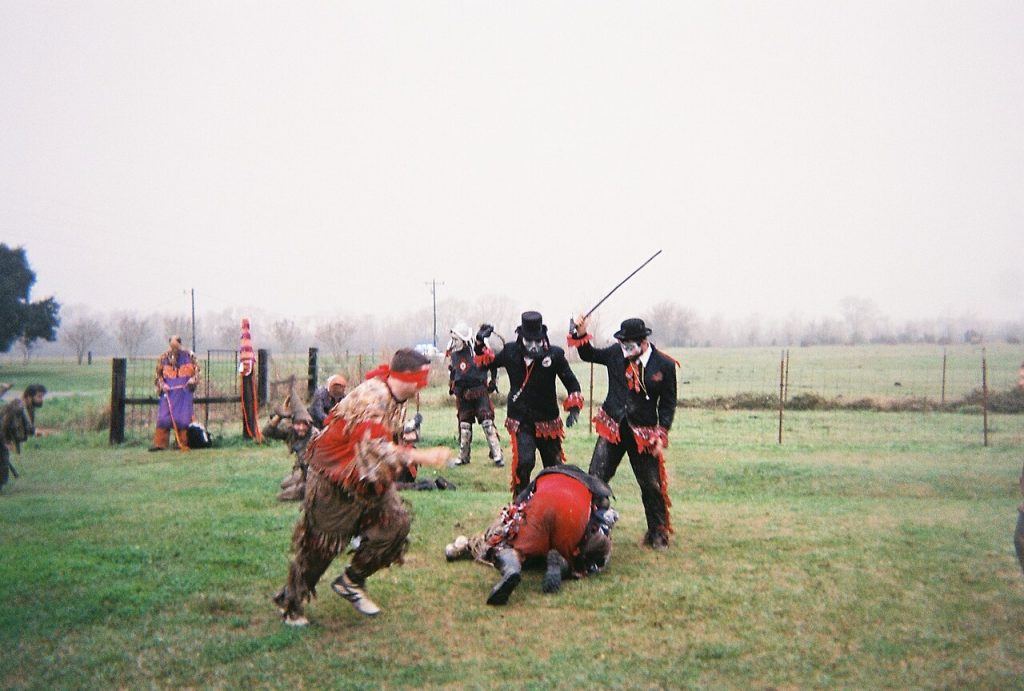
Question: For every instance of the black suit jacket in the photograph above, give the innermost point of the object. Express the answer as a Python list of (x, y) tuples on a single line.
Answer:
[(655, 408), (537, 401)]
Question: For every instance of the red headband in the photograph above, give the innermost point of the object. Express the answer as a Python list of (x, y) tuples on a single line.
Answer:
[(417, 377)]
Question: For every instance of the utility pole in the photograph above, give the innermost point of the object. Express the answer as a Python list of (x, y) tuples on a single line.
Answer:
[(193, 320), (433, 293)]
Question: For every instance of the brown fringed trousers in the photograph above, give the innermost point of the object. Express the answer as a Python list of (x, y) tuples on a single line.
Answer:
[(331, 517)]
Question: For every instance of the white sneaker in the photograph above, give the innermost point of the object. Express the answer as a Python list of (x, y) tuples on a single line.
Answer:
[(456, 549), (355, 594), (295, 619)]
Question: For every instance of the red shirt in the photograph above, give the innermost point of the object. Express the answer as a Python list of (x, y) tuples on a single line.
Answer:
[(556, 517)]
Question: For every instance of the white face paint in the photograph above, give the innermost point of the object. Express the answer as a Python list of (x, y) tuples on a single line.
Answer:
[(533, 348), (630, 349)]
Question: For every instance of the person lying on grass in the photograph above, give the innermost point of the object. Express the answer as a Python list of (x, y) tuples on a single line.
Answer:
[(563, 517)]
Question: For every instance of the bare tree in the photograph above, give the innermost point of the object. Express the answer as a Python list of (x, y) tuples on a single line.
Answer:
[(861, 317), (286, 334), (499, 311), (335, 336), (131, 331), (672, 324), (81, 334)]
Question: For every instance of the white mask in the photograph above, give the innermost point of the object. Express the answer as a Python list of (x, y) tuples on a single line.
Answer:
[(533, 348), (630, 349)]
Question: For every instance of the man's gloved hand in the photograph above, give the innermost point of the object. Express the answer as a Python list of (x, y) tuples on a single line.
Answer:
[(484, 331), (572, 417), (577, 327), (451, 388)]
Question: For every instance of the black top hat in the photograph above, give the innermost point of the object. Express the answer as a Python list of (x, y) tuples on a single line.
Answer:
[(633, 330), (532, 327)]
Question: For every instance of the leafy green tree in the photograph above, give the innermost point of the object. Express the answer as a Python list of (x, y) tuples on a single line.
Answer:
[(21, 319)]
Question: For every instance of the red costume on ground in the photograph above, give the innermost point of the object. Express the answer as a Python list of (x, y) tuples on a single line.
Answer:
[(556, 518)]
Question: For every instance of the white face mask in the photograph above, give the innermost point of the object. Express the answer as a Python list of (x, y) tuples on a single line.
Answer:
[(630, 349), (533, 348)]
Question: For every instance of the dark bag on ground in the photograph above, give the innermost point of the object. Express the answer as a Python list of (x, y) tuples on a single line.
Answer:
[(198, 437)]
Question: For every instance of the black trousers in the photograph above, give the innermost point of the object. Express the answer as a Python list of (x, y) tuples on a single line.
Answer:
[(646, 469), (525, 451)]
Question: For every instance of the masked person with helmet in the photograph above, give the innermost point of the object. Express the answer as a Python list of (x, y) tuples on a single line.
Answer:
[(296, 436), (532, 418), (636, 416), (562, 519), (350, 488), (468, 382)]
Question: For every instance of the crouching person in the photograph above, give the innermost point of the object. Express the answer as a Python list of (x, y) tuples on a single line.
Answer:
[(296, 435), (563, 518), (350, 488)]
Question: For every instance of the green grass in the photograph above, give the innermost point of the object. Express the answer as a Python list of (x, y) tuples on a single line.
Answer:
[(869, 551)]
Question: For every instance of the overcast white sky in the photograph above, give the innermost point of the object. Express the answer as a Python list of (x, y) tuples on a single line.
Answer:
[(333, 158)]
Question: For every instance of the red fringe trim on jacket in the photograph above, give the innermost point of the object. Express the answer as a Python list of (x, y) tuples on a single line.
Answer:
[(485, 358), (513, 426), (606, 428), (550, 429), (573, 400), (663, 481), (577, 342), (647, 437)]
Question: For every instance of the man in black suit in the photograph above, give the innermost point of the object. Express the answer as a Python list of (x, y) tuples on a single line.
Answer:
[(532, 420), (635, 417)]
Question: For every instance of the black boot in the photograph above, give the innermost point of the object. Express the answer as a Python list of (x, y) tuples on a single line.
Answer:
[(557, 567), (507, 561)]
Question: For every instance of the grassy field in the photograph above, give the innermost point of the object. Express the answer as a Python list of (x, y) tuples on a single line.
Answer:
[(871, 550)]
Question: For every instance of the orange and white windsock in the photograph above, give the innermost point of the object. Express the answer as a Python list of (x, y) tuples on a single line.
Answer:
[(246, 355)]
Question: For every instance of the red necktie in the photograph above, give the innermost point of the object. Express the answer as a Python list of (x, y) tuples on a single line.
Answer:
[(633, 376)]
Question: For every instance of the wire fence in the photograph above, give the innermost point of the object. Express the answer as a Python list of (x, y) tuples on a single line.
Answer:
[(821, 379), (216, 399)]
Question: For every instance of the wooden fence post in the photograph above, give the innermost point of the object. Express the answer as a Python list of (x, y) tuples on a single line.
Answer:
[(782, 390), (785, 393), (943, 403), (263, 375), (311, 367), (118, 388), (984, 396)]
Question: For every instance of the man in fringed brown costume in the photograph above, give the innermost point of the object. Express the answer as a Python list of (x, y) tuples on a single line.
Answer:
[(350, 488)]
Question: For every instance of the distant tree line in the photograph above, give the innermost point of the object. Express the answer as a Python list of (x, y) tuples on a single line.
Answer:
[(36, 326), (675, 325)]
